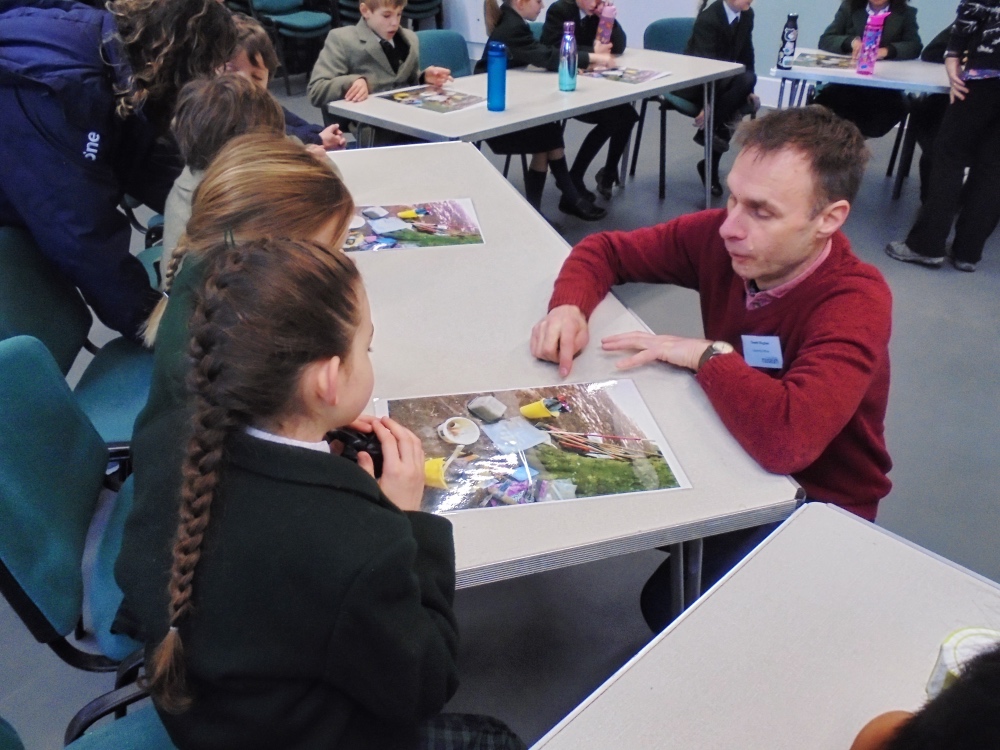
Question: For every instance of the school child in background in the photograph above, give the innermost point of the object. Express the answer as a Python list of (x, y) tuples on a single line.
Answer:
[(963, 716), (875, 111), (374, 55), (210, 113), (927, 111), (255, 58), (969, 138), (612, 124), (508, 23), (723, 31), (295, 600), (259, 185)]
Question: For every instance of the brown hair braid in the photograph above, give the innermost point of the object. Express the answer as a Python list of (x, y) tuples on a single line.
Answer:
[(167, 44), (258, 185), (266, 310)]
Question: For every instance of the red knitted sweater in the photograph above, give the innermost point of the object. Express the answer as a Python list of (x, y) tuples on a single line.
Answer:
[(821, 418)]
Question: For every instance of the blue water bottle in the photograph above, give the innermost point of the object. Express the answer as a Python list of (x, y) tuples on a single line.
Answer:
[(496, 76), (568, 58)]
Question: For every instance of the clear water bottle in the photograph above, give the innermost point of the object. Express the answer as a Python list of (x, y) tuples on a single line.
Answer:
[(568, 58), (868, 53), (496, 76), (789, 36)]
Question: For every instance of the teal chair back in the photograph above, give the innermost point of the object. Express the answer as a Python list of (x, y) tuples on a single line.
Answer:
[(445, 48), (139, 729), (277, 7), (52, 469), (8, 737), (536, 29), (668, 35), (36, 300), (52, 465)]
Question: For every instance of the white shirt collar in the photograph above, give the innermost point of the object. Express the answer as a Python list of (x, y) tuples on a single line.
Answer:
[(731, 15), (872, 12), (322, 445)]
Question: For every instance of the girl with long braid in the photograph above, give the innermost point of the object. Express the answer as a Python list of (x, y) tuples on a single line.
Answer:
[(301, 603)]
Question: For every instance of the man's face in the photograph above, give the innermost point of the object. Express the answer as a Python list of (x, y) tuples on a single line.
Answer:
[(770, 231), (384, 21)]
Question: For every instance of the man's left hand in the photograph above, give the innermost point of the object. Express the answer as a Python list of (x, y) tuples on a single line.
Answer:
[(674, 350)]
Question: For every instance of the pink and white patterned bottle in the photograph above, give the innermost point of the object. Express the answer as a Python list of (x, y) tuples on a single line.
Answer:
[(868, 53)]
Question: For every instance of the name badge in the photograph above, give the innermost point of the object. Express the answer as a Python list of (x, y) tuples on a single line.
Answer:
[(762, 351)]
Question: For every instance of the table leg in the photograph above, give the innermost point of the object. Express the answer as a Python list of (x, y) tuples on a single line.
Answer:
[(676, 580), (692, 559), (781, 92), (793, 90), (623, 168), (905, 159), (709, 99)]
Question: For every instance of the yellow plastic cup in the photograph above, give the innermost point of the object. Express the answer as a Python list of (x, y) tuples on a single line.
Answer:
[(536, 410), (434, 473)]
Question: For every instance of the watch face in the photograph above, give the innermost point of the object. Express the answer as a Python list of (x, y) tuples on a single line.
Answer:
[(723, 347)]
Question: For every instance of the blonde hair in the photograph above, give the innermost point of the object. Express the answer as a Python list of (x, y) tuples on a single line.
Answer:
[(374, 5), (259, 185), (491, 14)]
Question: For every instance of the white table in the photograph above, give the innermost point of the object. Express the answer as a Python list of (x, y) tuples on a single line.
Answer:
[(828, 623), (535, 99), (913, 76), (457, 320)]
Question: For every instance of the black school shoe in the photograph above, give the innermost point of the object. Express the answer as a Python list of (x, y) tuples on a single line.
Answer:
[(582, 209), (606, 186), (716, 184)]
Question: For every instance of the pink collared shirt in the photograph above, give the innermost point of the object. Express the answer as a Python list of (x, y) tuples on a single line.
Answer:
[(756, 299)]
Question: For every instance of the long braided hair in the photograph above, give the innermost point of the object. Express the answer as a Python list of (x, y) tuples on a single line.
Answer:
[(259, 185), (167, 45), (266, 310)]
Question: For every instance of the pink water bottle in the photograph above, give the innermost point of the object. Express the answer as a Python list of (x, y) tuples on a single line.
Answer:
[(606, 23), (868, 53)]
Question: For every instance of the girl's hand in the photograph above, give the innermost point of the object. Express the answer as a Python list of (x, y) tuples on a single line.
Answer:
[(699, 120), (437, 76), (332, 138), (601, 60), (358, 91), (402, 478), (602, 48), (855, 47), (958, 88)]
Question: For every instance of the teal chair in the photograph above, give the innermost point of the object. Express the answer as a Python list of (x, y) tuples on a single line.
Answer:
[(52, 469), (416, 11), (665, 35), (536, 29), (8, 737), (36, 300), (445, 48), (140, 729), (290, 20)]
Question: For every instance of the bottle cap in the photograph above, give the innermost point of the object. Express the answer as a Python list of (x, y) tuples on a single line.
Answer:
[(569, 27)]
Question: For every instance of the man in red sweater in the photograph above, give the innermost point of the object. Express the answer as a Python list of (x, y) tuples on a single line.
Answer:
[(796, 362)]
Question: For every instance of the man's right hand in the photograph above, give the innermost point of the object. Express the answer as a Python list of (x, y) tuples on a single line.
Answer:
[(560, 336)]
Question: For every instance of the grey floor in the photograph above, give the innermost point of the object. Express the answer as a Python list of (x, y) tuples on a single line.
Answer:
[(534, 647)]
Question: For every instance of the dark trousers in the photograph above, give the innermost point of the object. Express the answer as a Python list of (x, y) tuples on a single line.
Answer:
[(613, 124), (969, 137), (720, 554), (874, 111), (731, 96), (926, 114), (465, 732)]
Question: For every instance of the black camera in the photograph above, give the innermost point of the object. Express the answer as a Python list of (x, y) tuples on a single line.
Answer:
[(356, 442)]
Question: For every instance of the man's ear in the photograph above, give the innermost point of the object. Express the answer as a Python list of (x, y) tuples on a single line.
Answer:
[(832, 217), (326, 378)]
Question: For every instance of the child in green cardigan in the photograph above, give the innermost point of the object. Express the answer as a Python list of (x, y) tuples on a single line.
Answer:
[(293, 600)]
